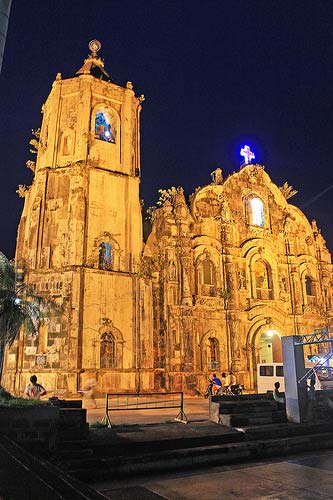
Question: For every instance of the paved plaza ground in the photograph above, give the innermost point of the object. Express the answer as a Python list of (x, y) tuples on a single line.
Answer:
[(307, 476), (304, 476)]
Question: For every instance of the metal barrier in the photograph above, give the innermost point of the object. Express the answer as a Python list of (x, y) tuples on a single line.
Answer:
[(158, 401)]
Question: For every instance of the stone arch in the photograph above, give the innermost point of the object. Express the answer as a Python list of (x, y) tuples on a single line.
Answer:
[(210, 348), (106, 154), (309, 284), (105, 124), (255, 209), (258, 328), (262, 281), (254, 250), (95, 257), (111, 346), (206, 273)]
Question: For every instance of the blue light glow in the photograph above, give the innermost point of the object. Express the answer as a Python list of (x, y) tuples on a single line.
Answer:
[(247, 154)]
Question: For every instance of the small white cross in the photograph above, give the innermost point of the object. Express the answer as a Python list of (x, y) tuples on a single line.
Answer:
[(247, 153)]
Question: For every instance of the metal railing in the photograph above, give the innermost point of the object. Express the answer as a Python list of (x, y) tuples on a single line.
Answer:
[(318, 366), (144, 401)]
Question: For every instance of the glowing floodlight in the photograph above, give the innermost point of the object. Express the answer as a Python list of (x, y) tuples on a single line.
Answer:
[(247, 153)]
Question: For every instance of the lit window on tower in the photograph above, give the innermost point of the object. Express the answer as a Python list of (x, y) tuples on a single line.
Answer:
[(105, 256), (104, 129), (257, 212)]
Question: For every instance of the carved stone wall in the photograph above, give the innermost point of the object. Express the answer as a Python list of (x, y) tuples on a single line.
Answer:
[(216, 273), (227, 312)]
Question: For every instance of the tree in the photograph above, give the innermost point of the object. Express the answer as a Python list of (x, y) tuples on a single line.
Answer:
[(19, 306)]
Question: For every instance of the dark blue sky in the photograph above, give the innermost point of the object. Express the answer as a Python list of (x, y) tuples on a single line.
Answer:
[(216, 75)]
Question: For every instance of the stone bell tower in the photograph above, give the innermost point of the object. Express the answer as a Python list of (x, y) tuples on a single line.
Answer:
[(80, 236)]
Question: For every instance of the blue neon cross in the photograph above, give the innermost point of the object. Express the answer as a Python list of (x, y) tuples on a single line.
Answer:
[(247, 153)]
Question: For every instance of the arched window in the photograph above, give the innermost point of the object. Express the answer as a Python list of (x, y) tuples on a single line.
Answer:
[(310, 290), (256, 212), (206, 278), (105, 256), (207, 272), (108, 351), (262, 278), (213, 354), (308, 286), (104, 129)]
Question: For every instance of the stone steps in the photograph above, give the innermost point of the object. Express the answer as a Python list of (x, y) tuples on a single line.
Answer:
[(247, 406), (73, 434), (255, 418), (182, 458), (244, 412)]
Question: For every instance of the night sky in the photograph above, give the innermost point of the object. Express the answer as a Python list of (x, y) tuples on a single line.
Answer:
[(216, 75)]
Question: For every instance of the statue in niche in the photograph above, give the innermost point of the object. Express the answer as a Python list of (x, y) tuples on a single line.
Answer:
[(230, 280), (241, 280), (283, 284), (172, 270), (216, 176), (314, 227)]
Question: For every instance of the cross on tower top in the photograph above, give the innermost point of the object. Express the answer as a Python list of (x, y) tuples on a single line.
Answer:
[(247, 153)]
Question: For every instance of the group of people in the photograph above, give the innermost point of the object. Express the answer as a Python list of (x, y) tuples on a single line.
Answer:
[(219, 384)]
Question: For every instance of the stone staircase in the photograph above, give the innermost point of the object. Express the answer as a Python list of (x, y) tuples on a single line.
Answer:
[(245, 412), (252, 428), (72, 449), (252, 443)]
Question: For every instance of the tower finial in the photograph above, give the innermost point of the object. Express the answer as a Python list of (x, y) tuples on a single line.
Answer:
[(94, 46)]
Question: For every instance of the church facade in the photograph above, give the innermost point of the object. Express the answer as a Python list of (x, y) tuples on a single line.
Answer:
[(219, 281)]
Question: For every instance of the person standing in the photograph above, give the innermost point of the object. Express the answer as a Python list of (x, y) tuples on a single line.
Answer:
[(33, 390), (311, 399), (224, 379), (232, 380)]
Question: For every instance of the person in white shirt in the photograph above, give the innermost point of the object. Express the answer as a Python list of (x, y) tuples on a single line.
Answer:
[(33, 390)]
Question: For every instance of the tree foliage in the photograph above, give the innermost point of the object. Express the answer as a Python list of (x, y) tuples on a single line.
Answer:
[(19, 306), (164, 195)]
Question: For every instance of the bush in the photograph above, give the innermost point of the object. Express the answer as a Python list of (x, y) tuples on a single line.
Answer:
[(4, 395), (6, 399)]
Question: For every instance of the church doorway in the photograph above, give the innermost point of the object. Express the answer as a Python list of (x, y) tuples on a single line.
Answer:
[(269, 348)]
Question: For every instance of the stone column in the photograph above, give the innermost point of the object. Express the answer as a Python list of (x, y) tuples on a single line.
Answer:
[(231, 284), (296, 288), (186, 292)]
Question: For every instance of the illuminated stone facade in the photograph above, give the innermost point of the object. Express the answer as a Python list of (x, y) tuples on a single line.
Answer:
[(239, 268), (80, 239), (218, 282)]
